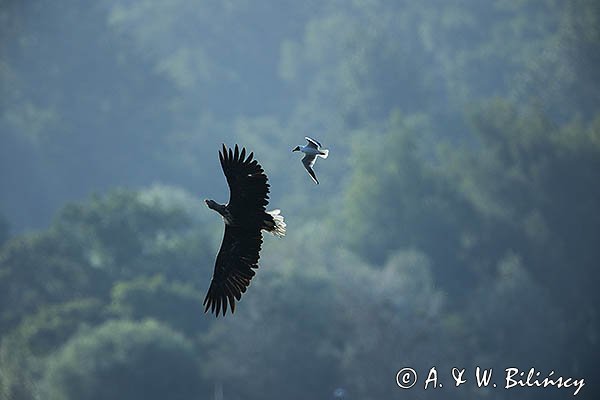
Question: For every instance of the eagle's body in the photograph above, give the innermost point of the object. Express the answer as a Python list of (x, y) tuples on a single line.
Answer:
[(245, 216)]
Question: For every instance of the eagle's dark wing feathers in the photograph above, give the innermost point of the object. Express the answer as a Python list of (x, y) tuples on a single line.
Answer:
[(239, 253), (247, 181), (236, 260)]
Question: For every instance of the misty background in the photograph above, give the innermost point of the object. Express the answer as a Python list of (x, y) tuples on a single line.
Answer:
[(457, 222)]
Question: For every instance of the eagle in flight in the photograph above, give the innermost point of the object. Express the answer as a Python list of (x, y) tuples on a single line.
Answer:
[(245, 217)]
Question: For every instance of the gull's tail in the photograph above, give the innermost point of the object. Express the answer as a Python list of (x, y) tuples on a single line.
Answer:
[(324, 153), (275, 224)]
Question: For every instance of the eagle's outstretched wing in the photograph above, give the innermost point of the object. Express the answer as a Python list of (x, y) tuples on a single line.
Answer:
[(248, 187), (242, 240)]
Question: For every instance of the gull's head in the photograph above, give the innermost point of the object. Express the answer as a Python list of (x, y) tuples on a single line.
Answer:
[(297, 148)]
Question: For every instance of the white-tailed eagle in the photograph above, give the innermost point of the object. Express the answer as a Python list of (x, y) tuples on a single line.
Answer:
[(245, 217)]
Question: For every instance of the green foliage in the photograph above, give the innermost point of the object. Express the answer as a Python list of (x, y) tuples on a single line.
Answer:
[(456, 223), (129, 233), (516, 296), (91, 245), (40, 269), (123, 225), (351, 324), (542, 204), (176, 304), (56, 282), (23, 350), (4, 230), (18, 370), (543, 187), (564, 76), (408, 205), (46, 330), (124, 359)]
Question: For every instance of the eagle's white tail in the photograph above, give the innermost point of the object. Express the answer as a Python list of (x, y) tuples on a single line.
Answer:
[(277, 226), (324, 153)]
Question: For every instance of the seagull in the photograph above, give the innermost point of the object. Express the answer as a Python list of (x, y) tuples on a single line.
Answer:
[(245, 218), (312, 150)]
